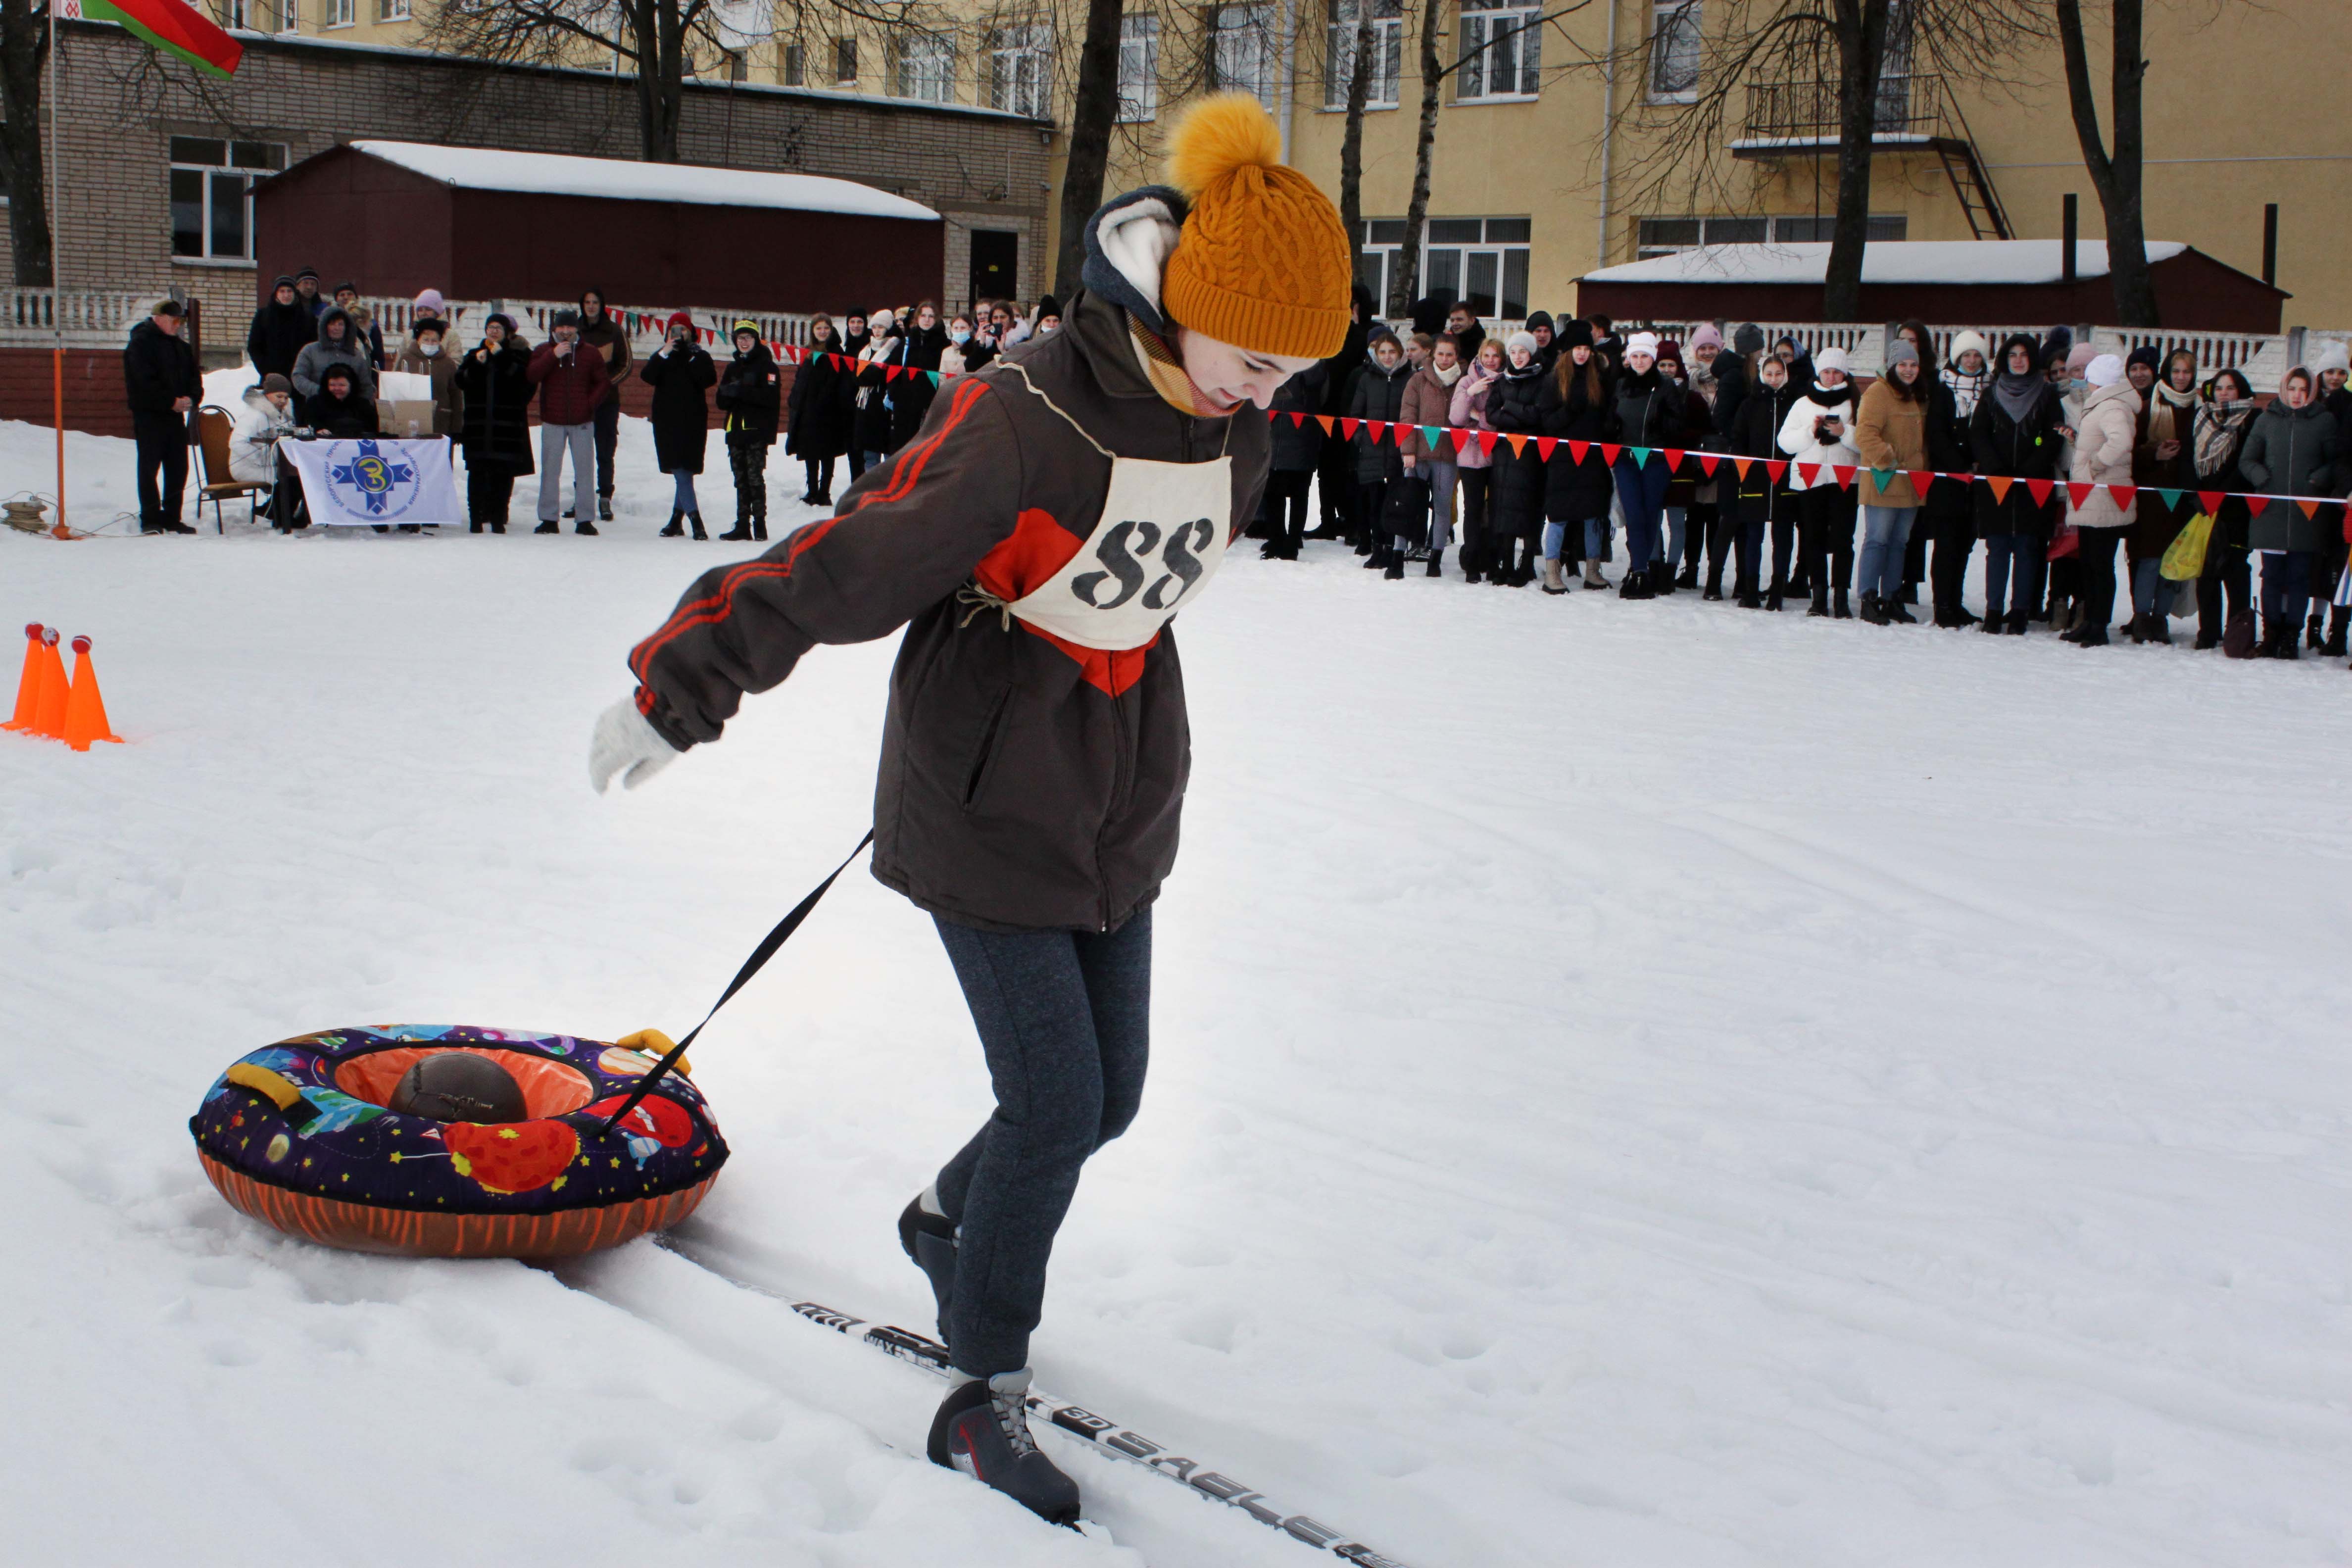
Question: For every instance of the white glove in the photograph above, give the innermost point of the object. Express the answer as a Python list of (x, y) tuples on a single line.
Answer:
[(626, 744)]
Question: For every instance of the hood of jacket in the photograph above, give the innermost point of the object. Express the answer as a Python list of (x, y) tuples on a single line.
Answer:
[(2121, 391), (1127, 243), (258, 401), (350, 339)]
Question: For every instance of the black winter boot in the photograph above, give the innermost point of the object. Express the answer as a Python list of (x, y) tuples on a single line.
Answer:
[(982, 1429), (547, 528), (1820, 607), (1393, 569), (584, 526), (1525, 573), (2315, 632), (694, 519), (2334, 646), (930, 1240), (1437, 564), (1994, 623), (1844, 611), (675, 526), (472, 528), (1893, 609), (1662, 579), (1871, 614), (740, 531), (603, 508), (1688, 578)]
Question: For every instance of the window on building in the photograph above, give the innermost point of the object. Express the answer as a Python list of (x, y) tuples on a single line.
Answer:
[(290, 15), (1674, 50), (1388, 31), (845, 60), (1019, 56), (927, 67), (795, 65), (338, 12), (391, 10), (212, 200), (1242, 56), (1138, 67), (1482, 262), (237, 15), (1665, 235), (1822, 228), (1502, 51), (739, 65)]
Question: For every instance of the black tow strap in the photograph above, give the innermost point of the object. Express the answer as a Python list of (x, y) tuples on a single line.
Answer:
[(751, 965)]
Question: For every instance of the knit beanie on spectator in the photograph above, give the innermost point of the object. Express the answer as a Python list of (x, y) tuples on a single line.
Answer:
[(1707, 337), (1749, 339), (1519, 340), (1576, 334), (2332, 356), (678, 318), (1900, 351), (430, 303), (274, 382), (2104, 369), (1263, 261), (1833, 358), (1642, 343), (1963, 342), (2079, 358)]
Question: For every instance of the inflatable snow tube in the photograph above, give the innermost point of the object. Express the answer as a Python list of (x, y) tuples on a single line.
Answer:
[(299, 1135)]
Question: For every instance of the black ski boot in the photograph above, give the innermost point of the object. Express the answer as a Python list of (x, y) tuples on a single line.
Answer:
[(694, 520), (930, 1240), (675, 526), (982, 1429)]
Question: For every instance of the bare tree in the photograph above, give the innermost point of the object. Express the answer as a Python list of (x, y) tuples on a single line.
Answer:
[(1351, 141), (1810, 75), (1094, 109), (2114, 175), (24, 55)]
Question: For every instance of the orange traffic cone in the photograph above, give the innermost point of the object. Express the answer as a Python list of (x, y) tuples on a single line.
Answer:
[(29, 685), (85, 708), (50, 710)]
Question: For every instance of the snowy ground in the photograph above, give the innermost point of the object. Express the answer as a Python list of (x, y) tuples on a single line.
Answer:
[(1636, 1084)]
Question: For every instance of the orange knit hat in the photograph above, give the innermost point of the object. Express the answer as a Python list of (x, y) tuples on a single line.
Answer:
[(1262, 263)]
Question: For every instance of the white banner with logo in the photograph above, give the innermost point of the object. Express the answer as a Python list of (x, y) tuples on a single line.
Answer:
[(375, 481)]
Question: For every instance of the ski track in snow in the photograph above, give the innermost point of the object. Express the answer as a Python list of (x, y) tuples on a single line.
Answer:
[(1636, 1084)]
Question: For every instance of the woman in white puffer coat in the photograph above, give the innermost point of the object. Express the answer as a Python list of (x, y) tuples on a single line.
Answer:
[(2105, 437), (1818, 434)]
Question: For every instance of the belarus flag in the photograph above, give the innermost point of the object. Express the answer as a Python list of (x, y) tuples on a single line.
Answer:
[(166, 25)]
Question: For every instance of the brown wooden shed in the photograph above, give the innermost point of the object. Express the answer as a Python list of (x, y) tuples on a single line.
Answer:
[(1932, 281), (482, 223)]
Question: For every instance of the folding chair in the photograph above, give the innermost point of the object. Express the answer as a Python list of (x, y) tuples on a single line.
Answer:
[(214, 424)]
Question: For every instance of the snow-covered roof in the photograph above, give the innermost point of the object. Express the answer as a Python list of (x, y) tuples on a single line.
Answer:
[(1885, 262), (563, 174)]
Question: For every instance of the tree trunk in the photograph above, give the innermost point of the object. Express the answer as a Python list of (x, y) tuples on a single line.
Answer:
[(2116, 179), (24, 53), (1094, 110), (1351, 143), (1862, 49), (1407, 283)]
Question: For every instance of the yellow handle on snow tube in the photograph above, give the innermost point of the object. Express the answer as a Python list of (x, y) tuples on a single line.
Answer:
[(655, 1044)]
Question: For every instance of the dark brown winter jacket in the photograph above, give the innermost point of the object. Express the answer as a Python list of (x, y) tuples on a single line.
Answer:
[(1027, 782)]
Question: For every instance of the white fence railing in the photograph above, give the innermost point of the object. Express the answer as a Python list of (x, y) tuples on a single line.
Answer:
[(534, 319), (33, 318), (2262, 357)]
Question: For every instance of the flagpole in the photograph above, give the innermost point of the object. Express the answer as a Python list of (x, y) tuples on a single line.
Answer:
[(56, 266)]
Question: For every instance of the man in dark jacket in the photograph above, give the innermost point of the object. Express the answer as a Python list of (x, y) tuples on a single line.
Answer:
[(282, 329), (1335, 476), (159, 373), (572, 382), (306, 290), (601, 331)]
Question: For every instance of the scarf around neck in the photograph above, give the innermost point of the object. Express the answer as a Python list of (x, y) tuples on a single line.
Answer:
[(2219, 427), (1446, 377), (2018, 395)]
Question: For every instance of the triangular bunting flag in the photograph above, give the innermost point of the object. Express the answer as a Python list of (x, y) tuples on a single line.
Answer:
[(2078, 493), (1297, 420), (1486, 442), (1706, 462), (2040, 490), (1674, 459), (1380, 429), (1546, 445), (1579, 449), (1518, 444), (1640, 455), (1807, 473), (1844, 475), (1882, 477), (934, 375), (1776, 466), (2124, 494), (1324, 421), (1432, 434), (2171, 498), (2211, 500), (2257, 505), (1741, 463), (889, 372), (1608, 454), (2000, 484), (1461, 441), (2310, 507), (1920, 479), (1347, 428)]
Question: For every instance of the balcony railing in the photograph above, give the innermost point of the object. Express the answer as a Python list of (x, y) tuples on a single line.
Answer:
[(1809, 111)]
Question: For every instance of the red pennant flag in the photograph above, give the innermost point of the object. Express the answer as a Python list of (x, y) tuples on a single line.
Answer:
[(1324, 421), (1297, 420), (1920, 479), (1380, 429), (1844, 475), (2257, 505), (1807, 473), (1674, 459), (1999, 483), (1545, 445), (1579, 449), (1706, 462), (1609, 453), (2209, 502), (2078, 493), (2040, 490), (889, 372), (1486, 442), (2123, 494), (1776, 466), (1347, 428), (1406, 436), (1461, 441)]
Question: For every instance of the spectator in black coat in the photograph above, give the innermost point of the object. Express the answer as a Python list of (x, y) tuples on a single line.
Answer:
[(1298, 446), (280, 329), (160, 379), (1514, 407), (910, 392), (817, 417), (1757, 496), (1574, 404), (342, 409), (1377, 392), (1335, 478), (2017, 432), (750, 392), (680, 372), (494, 396)]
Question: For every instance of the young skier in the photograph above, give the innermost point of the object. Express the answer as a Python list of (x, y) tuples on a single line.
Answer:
[(1052, 514)]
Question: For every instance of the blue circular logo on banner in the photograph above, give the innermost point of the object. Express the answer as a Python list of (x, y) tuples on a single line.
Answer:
[(372, 481)]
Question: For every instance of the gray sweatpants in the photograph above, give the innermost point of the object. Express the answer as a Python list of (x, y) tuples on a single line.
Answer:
[(1065, 1021), (582, 441)]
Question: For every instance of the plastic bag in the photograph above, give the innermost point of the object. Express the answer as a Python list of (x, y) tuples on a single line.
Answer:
[(2184, 558)]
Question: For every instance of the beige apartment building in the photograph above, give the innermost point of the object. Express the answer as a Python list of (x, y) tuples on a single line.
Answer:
[(1546, 162)]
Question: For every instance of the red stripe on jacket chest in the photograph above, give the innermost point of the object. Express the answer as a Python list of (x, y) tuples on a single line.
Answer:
[(1038, 548)]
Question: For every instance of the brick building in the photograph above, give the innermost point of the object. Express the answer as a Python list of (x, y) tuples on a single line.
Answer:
[(157, 160)]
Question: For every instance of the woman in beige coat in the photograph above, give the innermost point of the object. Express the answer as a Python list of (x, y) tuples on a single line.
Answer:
[(2103, 443), (1890, 431)]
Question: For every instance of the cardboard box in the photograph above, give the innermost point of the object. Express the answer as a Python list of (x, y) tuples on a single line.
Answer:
[(393, 416)]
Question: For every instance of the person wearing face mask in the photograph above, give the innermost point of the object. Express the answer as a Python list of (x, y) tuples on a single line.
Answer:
[(2015, 435), (424, 354), (1816, 437), (2160, 460), (1428, 398), (1034, 755), (818, 412), (681, 375), (2291, 451), (1649, 411), (494, 428), (972, 348)]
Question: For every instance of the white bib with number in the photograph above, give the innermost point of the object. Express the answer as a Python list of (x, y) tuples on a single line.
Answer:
[(1161, 535)]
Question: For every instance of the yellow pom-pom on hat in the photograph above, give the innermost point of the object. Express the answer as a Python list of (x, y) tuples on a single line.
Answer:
[(1263, 262)]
